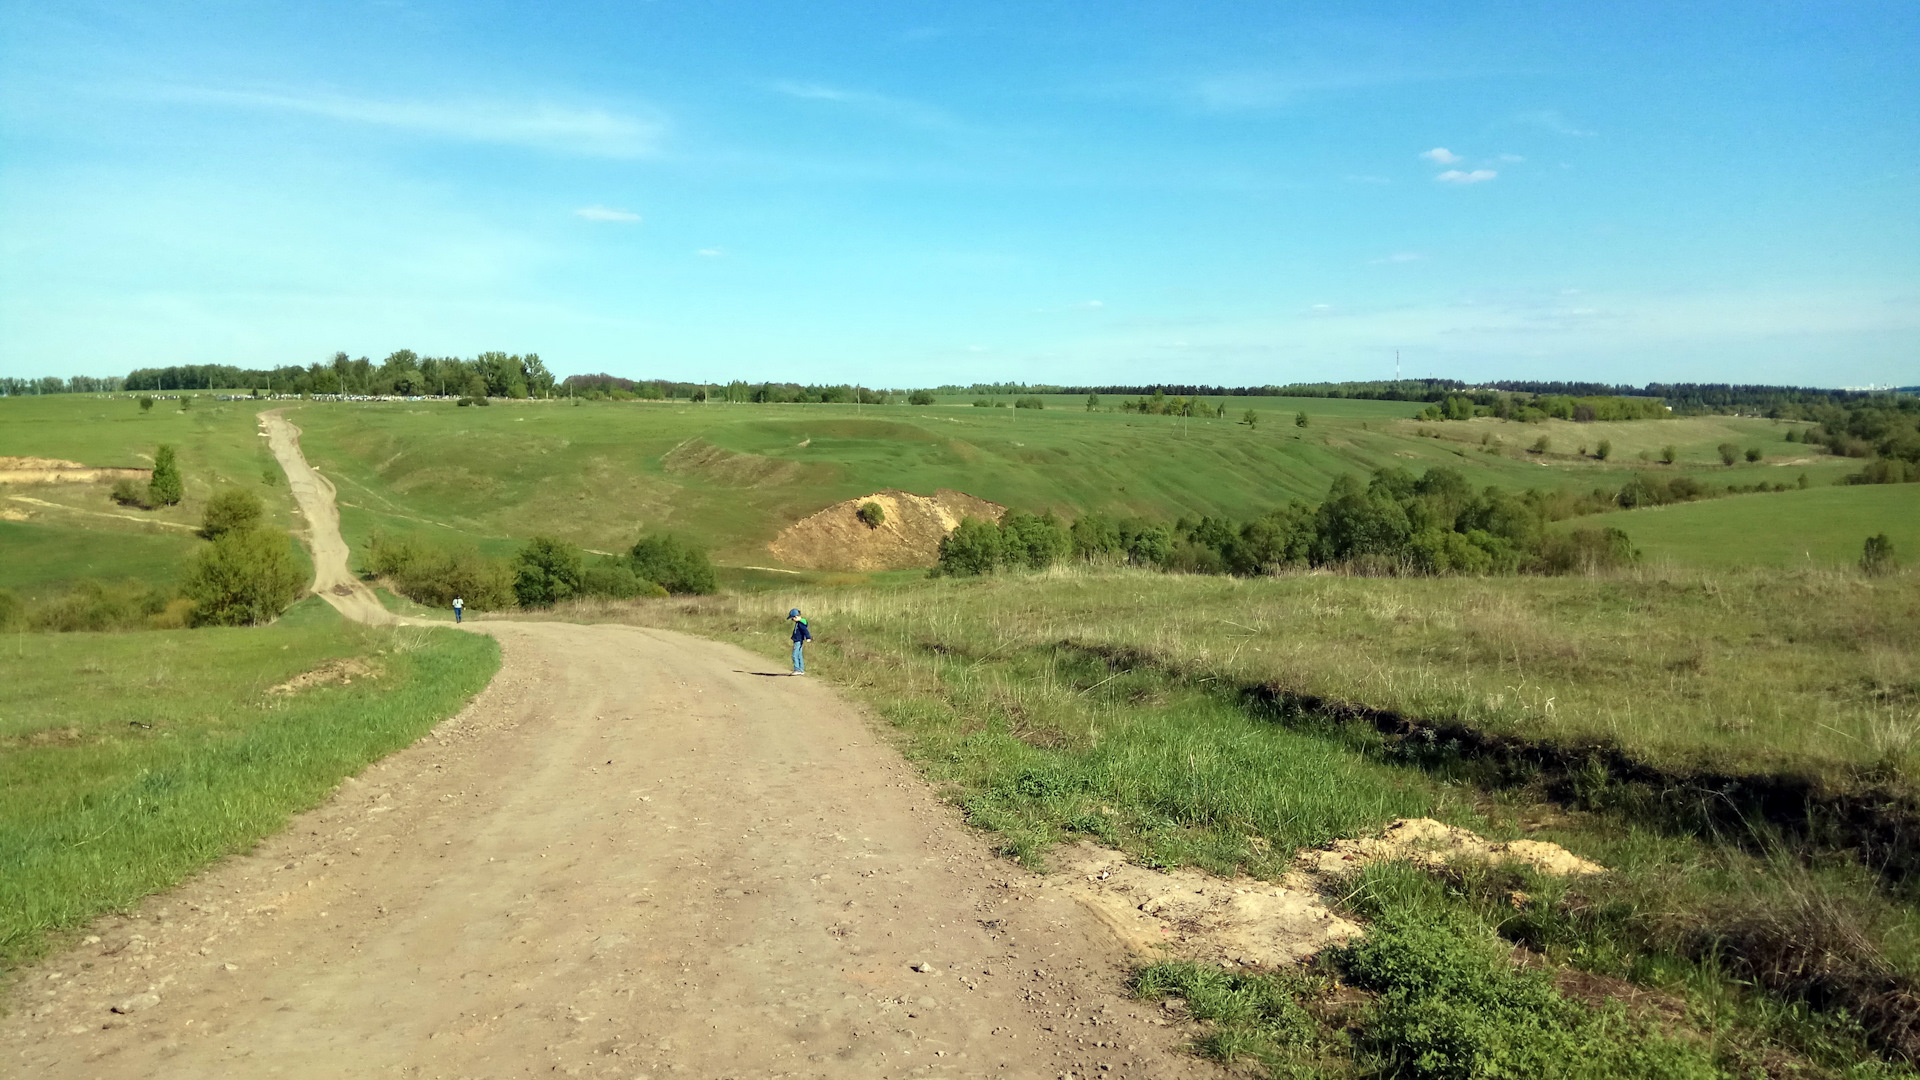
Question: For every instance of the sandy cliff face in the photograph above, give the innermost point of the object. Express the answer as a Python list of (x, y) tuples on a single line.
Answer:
[(836, 538)]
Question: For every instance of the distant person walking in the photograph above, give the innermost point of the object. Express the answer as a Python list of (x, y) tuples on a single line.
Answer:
[(801, 635), (459, 606)]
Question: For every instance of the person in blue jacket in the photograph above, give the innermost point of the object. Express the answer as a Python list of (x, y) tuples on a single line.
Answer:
[(801, 635)]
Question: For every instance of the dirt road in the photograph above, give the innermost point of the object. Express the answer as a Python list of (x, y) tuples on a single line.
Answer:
[(636, 854)]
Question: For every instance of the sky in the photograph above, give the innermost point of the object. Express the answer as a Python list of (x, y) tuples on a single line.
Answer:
[(906, 194)]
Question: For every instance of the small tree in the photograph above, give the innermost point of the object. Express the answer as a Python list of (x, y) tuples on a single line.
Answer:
[(1877, 557), (871, 514), (1754, 454), (1729, 453), (1093, 402), (920, 397), (165, 488), (1669, 455), (230, 510), (973, 548), (146, 403), (1604, 450), (186, 402), (245, 578), (546, 572), (1542, 444), (674, 565), (1300, 419), (1250, 418)]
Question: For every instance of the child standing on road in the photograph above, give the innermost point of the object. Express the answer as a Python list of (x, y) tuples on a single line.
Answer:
[(801, 635), (459, 606)]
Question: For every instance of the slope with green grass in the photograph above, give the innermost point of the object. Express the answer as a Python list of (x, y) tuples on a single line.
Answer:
[(128, 761), (1818, 527)]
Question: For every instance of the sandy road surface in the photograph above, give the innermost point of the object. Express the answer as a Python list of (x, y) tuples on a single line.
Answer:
[(635, 854)]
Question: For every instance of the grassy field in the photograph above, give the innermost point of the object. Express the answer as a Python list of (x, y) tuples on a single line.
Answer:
[(128, 761), (1819, 527), (1115, 705), (73, 531)]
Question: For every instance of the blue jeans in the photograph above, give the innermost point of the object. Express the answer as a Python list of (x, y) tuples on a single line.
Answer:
[(799, 661), (456, 614)]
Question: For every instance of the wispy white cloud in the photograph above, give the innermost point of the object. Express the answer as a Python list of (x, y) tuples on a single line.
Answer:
[(712, 253), (1398, 257), (1551, 120), (565, 129), (1455, 176), (1091, 305), (608, 213), (899, 110), (1440, 155)]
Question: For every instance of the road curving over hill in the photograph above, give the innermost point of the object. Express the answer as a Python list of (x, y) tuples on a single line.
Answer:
[(635, 854)]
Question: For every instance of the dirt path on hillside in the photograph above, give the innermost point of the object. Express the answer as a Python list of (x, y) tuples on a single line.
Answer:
[(636, 854), (313, 494)]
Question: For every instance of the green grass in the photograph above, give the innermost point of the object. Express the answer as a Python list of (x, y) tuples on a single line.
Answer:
[(1818, 527), (128, 761), (42, 557)]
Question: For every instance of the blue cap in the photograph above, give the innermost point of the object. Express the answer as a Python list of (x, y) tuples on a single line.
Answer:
[(794, 614)]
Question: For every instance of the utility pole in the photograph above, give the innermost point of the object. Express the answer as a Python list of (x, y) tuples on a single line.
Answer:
[(1396, 365)]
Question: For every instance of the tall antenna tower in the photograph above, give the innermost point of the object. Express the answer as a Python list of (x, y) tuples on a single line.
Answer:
[(1396, 365)]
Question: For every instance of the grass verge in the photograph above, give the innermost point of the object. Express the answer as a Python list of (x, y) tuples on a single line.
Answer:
[(128, 761)]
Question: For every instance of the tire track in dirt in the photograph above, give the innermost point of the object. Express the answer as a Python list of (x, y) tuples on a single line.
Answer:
[(635, 854)]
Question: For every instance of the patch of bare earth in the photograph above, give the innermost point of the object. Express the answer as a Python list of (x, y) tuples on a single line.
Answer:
[(1192, 915), (39, 470), (907, 538), (331, 673)]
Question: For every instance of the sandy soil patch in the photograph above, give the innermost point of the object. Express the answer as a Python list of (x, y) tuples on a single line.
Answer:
[(331, 673), (836, 538)]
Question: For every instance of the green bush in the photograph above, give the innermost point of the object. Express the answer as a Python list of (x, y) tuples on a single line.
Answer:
[(1033, 541), (1669, 455), (244, 578), (614, 577), (434, 576), (675, 565), (127, 493), (146, 403), (165, 488), (1754, 453), (1729, 453), (982, 403), (1877, 556), (1584, 551), (546, 572), (230, 510), (871, 514), (973, 548), (1604, 450), (1300, 419), (920, 397), (1029, 403)]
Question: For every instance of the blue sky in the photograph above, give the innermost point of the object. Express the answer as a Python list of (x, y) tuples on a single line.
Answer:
[(906, 194)]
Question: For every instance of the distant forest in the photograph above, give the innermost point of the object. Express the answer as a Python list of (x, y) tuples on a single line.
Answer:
[(500, 374)]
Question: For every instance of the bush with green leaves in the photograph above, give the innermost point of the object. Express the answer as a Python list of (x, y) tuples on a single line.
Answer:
[(972, 548), (1669, 455), (1604, 450), (146, 403), (1729, 453), (246, 577), (434, 575), (614, 577), (1300, 419), (1029, 403), (920, 397), (127, 493), (871, 514), (1033, 541), (164, 488), (1877, 556), (231, 509), (676, 565), (546, 571), (1754, 454)]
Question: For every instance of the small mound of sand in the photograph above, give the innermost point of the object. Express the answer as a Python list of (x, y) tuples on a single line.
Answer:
[(836, 538), (1195, 916), (333, 672), (1431, 843)]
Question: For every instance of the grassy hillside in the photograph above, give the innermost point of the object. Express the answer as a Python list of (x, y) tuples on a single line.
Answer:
[(127, 761), (732, 476), (1818, 527), (60, 532)]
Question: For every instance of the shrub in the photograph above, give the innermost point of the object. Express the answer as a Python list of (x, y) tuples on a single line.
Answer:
[(982, 403), (920, 397), (1094, 536), (973, 548), (1729, 453), (1093, 402), (146, 403), (230, 510), (1877, 557), (1300, 419), (1604, 450), (1250, 418), (1669, 455), (13, 613), (675, 565), (245, 578), (434, 576), (1029, 403), (128, 493), (1885, 471), (99, 606), (1584, 551), (615, 578), (871, 514), (1036, 542), (1754, 453), (164, 488), (546, 572), (1542, 444)]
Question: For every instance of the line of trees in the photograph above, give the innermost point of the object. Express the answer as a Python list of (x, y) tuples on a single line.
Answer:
[(404, 373), (1395, 523), (544, 572), (1885, 429)]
